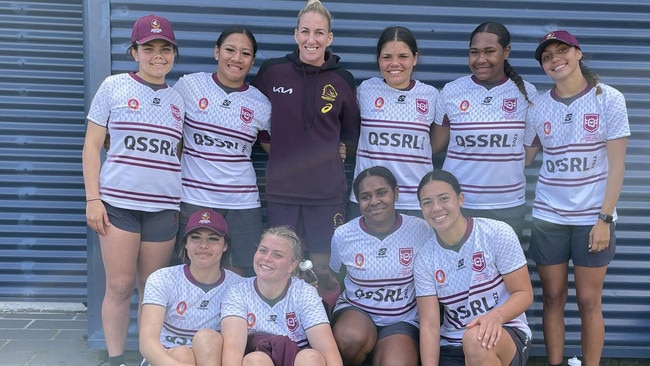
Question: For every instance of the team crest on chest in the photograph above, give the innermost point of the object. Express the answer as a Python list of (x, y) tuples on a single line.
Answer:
[(478, 261), (292, 321), (405, 256), (509, 105), (329, 93), (176, 113), (591, 122), (246, 115), (422, 106)]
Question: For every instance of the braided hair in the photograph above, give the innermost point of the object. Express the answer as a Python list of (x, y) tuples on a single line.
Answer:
[(592, 77), (504, 40)]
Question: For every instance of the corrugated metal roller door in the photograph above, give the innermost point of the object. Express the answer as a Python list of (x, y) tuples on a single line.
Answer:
[(42, 225), (616, 35)]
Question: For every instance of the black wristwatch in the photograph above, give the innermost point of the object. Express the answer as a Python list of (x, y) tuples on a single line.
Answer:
[(605, 217)]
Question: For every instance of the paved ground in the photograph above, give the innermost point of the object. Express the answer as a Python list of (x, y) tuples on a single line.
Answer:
[(47, 339), (57, 336)]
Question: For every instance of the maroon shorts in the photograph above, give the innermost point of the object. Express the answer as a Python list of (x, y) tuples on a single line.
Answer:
[(314, 225)]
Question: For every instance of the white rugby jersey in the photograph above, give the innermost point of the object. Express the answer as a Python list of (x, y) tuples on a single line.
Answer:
[(299, 309), (219, 133), (395, 127), (485, 149), (469, 283), (379, 277), (572, 179), (190, 305), (142, 170)]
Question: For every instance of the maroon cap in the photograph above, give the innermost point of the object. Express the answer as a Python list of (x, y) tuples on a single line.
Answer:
[(207, 219), (152, 27), (555, 36)]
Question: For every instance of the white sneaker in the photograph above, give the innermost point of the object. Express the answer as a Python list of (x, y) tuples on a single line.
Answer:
[(575, 361)]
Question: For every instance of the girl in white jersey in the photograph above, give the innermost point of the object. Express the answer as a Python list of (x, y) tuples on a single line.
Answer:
[(481, 118), (396, 119), (582, 127), (275, 318), (224, 115), (475, 270), (133, 202), (375, 317), (179, 323)]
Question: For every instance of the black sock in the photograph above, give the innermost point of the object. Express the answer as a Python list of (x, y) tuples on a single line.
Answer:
[(116, 360)]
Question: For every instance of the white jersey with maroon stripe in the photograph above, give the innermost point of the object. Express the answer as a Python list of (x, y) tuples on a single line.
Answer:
[(485, 149), (379, 277), (395, 127), (572, 180), (190, 305), (219, 133), (468, 281), (299, 309), (142, 170)]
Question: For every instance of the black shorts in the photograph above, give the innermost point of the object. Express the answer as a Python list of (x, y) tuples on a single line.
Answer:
[(513, 216), (154, 227), (383, 331), (454, 355), (552, 243)]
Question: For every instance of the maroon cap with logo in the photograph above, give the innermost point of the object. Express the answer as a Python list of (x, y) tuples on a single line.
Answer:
[(152, 27), (207, 219), (555, 36)]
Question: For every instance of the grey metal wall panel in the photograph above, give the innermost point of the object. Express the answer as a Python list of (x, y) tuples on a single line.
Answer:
[(42, 233)]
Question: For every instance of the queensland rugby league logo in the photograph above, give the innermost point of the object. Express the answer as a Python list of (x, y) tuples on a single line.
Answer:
[(478, 261), (246, 115), (509, 105), (422, 106), (405, 256), (292, 321), (591, 122)]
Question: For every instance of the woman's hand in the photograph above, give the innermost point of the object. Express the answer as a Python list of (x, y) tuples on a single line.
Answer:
[(599, 237), (96, 216), (490, 328)]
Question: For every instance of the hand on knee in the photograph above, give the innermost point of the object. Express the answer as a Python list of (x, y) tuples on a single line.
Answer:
[(473, 347)]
